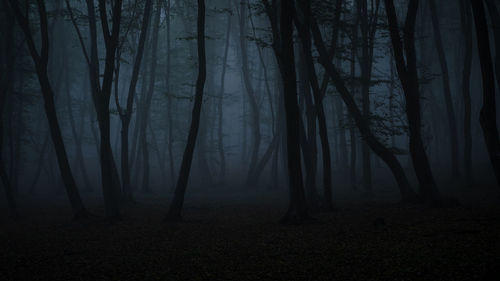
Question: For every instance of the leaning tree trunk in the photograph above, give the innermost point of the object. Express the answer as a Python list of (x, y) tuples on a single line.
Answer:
[(174, 212), (41, 60), (407, 70), (378, 148), (487, 115)]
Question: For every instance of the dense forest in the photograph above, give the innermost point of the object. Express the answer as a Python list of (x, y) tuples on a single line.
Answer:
[(250, 139)]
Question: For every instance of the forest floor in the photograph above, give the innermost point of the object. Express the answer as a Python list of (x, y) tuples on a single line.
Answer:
[(235, 239)]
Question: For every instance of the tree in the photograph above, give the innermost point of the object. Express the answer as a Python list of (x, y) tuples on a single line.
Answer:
[(147, 99), (378, 148), (169, 98), (101, 94), (282, 29), (407, 71), (41, 59), (253, 178), (221, 99), (175, 209), (368, 28), (487, 115), (126, 113), (303, 28), (6, 75), (252, 99), (466, 28), (491, 6), (452, 123)]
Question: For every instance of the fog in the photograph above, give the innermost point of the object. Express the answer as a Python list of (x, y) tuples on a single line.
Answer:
[(304, 107)]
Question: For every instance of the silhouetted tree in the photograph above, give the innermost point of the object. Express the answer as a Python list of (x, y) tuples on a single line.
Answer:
[(220, 111), (175, 209), (378, 148), (40, 59), (466, 28), (126, 113), (6, 77), (281, 19), (249, 89), (303, 28), (148, 97), (407, 70), (487, 115), (452, 123)]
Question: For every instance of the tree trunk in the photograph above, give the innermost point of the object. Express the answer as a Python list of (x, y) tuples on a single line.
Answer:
[(126, 114), (147, 102), (365, 62), (253, 178), (40, 60), (308, 139), (169, 100), (6, 77), (491, 6), (174, 212), (452, 124), (378, 148), (282, 29), (40, 162), (466, 25), (101, 94), (220, 134), (487, 115), (305, 36), (352, 129), (252, 99), (409, 80)]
